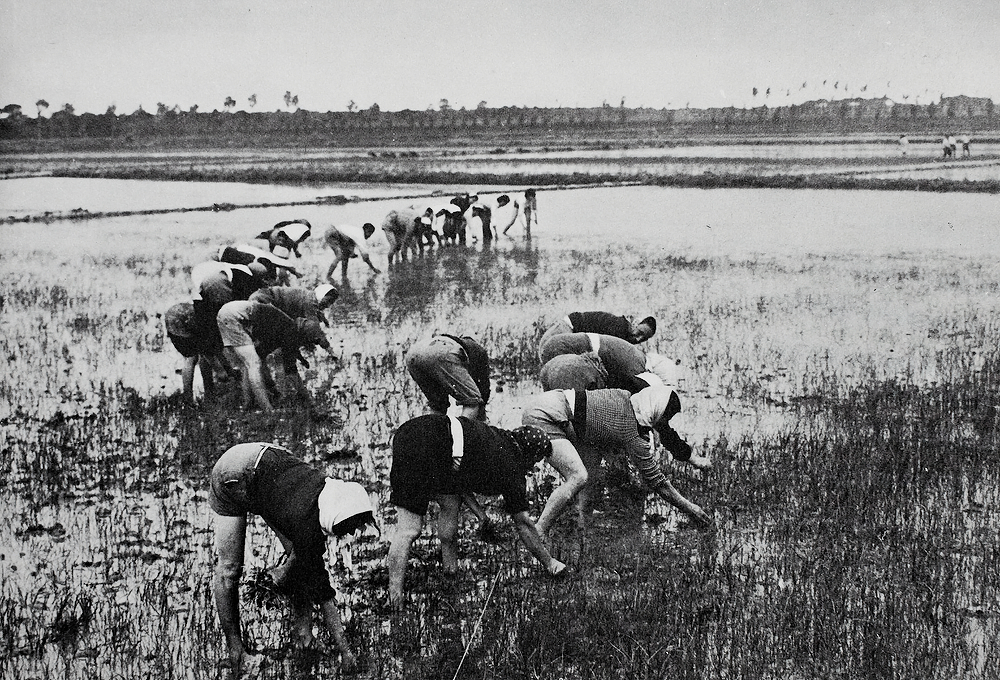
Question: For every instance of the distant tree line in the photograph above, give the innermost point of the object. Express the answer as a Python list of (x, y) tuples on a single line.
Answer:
[(950, 114)]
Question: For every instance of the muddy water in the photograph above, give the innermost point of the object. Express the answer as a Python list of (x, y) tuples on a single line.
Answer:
[(718, 221), (37, 195), (108, 500)]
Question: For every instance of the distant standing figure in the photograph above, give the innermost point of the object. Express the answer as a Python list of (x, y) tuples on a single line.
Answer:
[(303, 507), (251, 331), (442, 458), (954, 146), (966, 152), (530, 209), (284, 238), (401, 232), (904, 144), (454, 366), (946, 146), (344, 240)]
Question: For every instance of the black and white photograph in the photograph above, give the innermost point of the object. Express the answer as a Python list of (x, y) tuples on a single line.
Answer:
[(489, 340)]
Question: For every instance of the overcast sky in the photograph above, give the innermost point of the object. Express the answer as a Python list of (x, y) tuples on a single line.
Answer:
[(410, 54)]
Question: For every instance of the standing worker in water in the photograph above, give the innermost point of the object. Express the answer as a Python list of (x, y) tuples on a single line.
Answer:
[(530, 210)]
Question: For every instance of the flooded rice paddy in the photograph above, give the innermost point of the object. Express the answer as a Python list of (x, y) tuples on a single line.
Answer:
[(839, 362)]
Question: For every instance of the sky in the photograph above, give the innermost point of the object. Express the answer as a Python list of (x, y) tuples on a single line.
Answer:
[(411, 54)]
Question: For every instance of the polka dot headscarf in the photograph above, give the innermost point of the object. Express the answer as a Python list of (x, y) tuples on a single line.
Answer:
[(533, 443)]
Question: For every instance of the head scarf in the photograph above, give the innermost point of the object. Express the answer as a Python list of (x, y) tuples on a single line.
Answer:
[(344, 507), (657, 404)]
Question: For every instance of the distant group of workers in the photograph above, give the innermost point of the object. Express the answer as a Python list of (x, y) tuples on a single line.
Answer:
[(949, 145), (419, 227), (243, 309)]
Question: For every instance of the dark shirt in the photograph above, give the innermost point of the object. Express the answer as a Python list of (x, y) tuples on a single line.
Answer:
[(187, 331), (463, 202), (216, 290), (422, 464), (297, 303), (271, 329), (285, 493), (603, 323)]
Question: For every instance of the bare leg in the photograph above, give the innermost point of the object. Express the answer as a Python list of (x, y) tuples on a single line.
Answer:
[(302, 624), (408, 526), (447, 529), (591, 457), (207, 375), (331, 616), (187, 378), (567, 461), (333, 265), (253, 379)]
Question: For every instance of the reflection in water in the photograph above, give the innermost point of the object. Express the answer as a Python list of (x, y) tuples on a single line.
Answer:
[(437, 279)]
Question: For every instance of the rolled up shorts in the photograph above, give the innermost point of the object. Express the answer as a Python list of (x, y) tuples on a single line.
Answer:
[(550, 413), (230, 319), (439, 366), (231, 478)]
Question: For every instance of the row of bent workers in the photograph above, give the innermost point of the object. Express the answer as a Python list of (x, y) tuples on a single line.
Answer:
[(602, 394)]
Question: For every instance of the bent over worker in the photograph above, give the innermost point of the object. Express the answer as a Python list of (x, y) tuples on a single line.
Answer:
[(603, 323), (303, 507), (440, 458), (594, 361), (253, 330), (344, 240), (451, 366), (603, 420)]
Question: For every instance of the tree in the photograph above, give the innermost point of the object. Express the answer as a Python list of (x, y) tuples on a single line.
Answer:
[(111, 110), (41, 104), (11, 110), (193, 109), (252, 100), (288, 99), (68, 109), (444, 105), (351, 106), (161, 109), (295, 101), (374, 109), (229, 103), (481, 105)]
